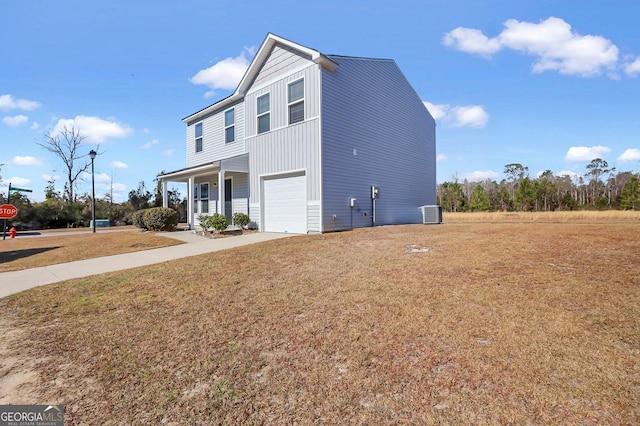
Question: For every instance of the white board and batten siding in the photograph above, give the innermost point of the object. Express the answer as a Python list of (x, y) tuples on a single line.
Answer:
[(375, 131), (281, 61)]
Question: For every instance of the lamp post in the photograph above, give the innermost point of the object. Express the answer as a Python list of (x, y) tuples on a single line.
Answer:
[(92, 154)]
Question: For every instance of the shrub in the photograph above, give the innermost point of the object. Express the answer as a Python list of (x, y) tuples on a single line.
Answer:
[(218, 222), (160, 219), (137, 218), (203, 220), (241, 219)]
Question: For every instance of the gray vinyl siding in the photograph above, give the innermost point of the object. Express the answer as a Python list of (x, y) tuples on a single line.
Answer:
[(279, 102), (369, 106), (281, 61), (213, 137), (288, 149)]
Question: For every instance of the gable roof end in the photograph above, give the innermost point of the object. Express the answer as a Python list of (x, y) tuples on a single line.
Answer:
[(265, 49), (254, 68)]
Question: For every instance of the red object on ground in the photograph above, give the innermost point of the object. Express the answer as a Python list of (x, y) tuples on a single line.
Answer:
[(12, 232)]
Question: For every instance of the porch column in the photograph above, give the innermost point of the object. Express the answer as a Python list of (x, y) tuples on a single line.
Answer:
[(165, 194), (190, 215), (221, 199)]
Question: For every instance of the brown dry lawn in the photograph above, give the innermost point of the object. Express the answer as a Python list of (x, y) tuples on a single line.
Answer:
[(492, 323), (31, 252)]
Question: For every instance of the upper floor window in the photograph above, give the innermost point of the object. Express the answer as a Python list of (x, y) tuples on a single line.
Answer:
[(199, 137), (229, 126), (296, 102), (264, 108)]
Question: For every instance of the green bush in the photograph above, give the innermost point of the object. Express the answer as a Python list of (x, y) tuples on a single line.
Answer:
[(218, 222), (241, 219), (160, 219), (137, 218), (203, 220)]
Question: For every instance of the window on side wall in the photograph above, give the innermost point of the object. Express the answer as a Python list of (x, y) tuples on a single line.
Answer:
[(204, 198), (229, 126), (264, 108), (296, 101), (198, 137)]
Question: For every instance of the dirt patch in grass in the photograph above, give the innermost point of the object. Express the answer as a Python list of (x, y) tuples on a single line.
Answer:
[(31, 252), (502, 323)]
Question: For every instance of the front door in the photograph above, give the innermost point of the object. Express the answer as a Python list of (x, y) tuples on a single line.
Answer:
[(228, 197)]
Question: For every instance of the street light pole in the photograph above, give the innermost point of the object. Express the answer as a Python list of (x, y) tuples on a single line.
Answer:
[(92, 154)]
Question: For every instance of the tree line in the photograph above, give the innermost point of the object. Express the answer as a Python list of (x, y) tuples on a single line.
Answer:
[(67, 208), (601, 187), (57, 211)]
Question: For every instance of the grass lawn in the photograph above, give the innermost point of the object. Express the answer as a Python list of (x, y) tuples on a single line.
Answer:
[(31, 252), (460, 323)]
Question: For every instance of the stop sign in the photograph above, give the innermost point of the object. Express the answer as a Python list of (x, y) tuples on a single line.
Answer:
[(7, 211)]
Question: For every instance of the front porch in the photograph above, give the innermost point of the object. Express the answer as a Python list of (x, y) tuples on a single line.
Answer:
[(218, 187)]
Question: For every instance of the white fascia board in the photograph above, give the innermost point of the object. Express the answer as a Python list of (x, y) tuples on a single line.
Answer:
[(261, 56), (221, 104), (192, 171)]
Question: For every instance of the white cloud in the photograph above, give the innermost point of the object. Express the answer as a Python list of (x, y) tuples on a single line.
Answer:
[(18, 182), (440, 157), (15, 121), (225, 74), (479, 175), (101, 177), (35, 125), (26, 161), (119, 165), (49, 178), (586, 153), (8, 102), (148, 145), (471, 116), (631, 154), (459, 116), (632, 69), (437, 111), (168, 152), (552, 42), (471, 41), (95, 129)]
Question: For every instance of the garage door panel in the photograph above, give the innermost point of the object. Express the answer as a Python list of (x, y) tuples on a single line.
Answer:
[(285, 204)]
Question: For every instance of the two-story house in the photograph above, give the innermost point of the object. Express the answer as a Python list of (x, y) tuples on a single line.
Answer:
[(310, 142)]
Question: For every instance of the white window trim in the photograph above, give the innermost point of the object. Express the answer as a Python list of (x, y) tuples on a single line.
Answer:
[(297, 101), (224, 118), (263, 114), (201, 137), (198, 198)]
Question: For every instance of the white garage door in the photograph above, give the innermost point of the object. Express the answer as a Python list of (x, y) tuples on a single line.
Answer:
[(285, 204)]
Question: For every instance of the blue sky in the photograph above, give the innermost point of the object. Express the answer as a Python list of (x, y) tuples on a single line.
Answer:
[(548, 84)]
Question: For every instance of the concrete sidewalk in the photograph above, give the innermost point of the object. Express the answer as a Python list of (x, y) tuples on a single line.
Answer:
[(17, 281)]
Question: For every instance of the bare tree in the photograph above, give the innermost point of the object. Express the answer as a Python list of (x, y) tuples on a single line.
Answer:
[(66, 145)]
